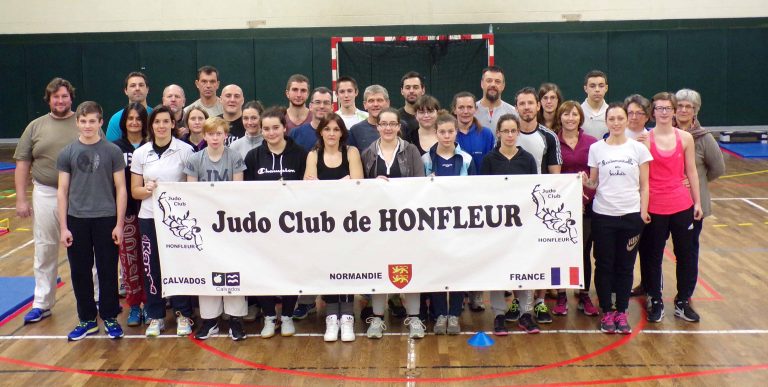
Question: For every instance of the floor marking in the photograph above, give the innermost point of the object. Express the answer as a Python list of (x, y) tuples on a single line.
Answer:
[(725, 225), (761, 208), (743, 174), (724, 199), (17, 249), (746, 224)]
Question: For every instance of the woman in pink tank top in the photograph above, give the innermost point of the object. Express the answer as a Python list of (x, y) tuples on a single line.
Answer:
[(673, 205)]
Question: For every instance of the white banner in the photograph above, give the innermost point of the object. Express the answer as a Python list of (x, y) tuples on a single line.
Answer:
[(370, 236)]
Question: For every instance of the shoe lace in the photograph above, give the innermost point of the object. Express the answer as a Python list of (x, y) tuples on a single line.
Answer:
[(453, 320), (376, 322), (541, 308), (110, 323), (514, 307), (84, 324), (621, 319), (608, 318), (415, 323)]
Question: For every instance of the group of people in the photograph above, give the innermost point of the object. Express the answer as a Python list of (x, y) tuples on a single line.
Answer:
[(93, 188)]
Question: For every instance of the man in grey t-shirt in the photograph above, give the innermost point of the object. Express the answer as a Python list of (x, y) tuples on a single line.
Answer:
[(491, 107)]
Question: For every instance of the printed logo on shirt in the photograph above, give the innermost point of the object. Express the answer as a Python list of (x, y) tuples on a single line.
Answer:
[(178, 221), (88, 163), (262, 171), (400, 274), (553, 214)]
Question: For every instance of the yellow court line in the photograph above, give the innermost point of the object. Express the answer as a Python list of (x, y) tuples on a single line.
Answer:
[(723, 225), (22, 229), (744, 174), (745, 224)]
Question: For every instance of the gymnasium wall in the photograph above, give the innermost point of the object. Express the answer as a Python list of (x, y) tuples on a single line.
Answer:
[(725, 59)]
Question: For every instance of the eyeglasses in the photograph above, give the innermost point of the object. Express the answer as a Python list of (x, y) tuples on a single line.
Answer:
[(636, 114), (685, 107), (663, 108), (507, 132), (389, 124), (326, 103)]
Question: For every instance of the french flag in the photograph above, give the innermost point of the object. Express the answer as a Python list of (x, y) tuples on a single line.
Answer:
[(572, 272)]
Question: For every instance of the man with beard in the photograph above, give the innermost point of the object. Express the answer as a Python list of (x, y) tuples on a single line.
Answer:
[(364, 133), (36, 153), (346, 90), (297, 92), (207, 84), (173, 97), (411, 88), (320, 105), (136, 89), (232, 99), (491, 107)]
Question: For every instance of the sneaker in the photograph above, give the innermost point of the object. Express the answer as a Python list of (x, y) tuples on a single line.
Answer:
[(396, 308), (114, 330), (655, 310), (376, 327), (286, 326), (183, 325), (347, 328), (684, 311), (416, 328), (156, 325), (552, 294), (514, 311), (453, 325), (476, 302), (122, 291), (585, 305), (269, 327), (134, 316), (527, 324), (637, 291), (621, 323), (441, 325), (608, 322), (236, 330), (499, 326), (36, 314), (331, 328), (542, 313), (303, 310), (365, 313), (144, 317), (561, 306), (83, 329), (209, 328), (254, 311)]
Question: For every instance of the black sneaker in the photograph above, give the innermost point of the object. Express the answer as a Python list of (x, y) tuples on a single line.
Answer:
[(542, 313), (514, 311), (396, 308), (637, 291), (209, 328), (527, 324), (236, 330), (365, 313), (655, 310), (499, 326), (684, 311)]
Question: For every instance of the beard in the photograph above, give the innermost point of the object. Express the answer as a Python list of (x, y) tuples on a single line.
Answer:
[(59, 114), (492, 97)]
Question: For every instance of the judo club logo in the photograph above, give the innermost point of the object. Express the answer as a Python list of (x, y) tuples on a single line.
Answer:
[(225, 279), (181, 225), (555, 217), (400, 274)]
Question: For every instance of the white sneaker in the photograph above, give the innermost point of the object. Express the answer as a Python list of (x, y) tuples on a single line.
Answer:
[(416, 328), (156, 325), (331, 328), (287, 328), (440, 325), (269, 327), (376, 328), (453, 325), (183, 325), (347, 327)]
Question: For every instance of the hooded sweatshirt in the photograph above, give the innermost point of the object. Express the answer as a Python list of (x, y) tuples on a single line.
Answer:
[(522, 163), (262, 164)]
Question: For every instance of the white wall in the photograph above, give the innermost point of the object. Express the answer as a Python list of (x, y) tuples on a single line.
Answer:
[(49, 16)]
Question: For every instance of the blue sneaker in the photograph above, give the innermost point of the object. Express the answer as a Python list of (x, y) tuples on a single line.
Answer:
[(114, 330), (134, 316), (36, 314), (303, 310), (83, 329)]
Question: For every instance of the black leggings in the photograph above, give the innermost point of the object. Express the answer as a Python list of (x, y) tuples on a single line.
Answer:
[(616, 239)]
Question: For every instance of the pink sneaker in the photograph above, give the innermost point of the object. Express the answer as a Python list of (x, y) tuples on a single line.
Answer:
[(622, 325), (586, 305), (608, 322), (561, 307)]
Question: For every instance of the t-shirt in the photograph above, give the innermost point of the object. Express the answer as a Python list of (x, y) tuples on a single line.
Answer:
[(236, 130), (476, 143), (594, 122), (203, 168), (289, 125), (445, 167), (358, 116), (543, 144), (113, 127), (618, 188), (362, 135), (166, 167), (411, 124), (244, 144), (488, 118), (41, 143), (304, 136), (92, 185), (213, 111)]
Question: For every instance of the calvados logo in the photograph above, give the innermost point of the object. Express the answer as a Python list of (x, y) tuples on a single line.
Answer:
[(183, 226), (400, 274), (225, 279), (554, 216)]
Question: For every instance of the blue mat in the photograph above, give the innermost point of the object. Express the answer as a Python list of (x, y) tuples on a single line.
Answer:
[(17, 292), (747, 149), (6, 166)]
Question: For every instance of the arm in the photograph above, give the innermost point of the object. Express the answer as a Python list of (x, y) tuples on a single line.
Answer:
[(554, 155), (192, 179), (355, 163), (121, 201), (713, 158), (644, 193), (141, 190), (21, 181), (554, 169), (418, 165), (691, 174), (591, 180), (310, 173), (62, 201), (237, 176)]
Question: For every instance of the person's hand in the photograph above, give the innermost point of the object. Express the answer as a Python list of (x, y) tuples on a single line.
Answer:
[(150, 185), (642, 136), (23, 209), (382, 177), (686, 183), (697, 212), (117, 235), (66, 237), (645, 216), (310, 177)]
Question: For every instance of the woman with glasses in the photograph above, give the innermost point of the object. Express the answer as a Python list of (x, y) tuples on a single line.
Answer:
[(551, 98), (391, 157), (638, 112), (673, 206), (426, 108)]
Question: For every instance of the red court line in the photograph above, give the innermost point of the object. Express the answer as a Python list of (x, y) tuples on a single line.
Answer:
[(715, 295), (734, 154), (23, 308)]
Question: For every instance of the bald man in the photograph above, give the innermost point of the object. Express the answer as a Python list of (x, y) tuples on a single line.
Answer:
[(232, 100), (174, 98)]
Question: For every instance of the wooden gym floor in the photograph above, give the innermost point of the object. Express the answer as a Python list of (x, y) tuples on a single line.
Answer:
[(728, 347)]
